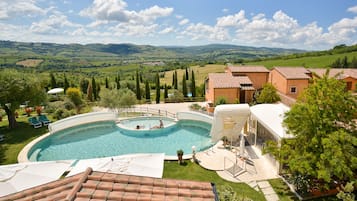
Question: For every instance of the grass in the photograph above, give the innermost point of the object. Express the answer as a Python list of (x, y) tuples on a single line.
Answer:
[(310, 62), (282, 190), (200, 73), (16, 139), (193, 171)]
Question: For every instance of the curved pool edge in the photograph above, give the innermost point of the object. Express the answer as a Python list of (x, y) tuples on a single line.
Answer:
[(23, 155)]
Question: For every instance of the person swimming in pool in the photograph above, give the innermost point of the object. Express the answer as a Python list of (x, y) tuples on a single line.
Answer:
[(161, 125)]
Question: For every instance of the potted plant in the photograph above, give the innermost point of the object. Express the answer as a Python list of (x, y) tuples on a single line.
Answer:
[(179, 155), (225, 140), (28, 111), (39, 110)]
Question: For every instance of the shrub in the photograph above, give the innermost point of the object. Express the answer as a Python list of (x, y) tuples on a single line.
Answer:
[(221, 100)]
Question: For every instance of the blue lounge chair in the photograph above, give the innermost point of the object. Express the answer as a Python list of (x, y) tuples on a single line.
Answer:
[(44, 120), (34, 122)]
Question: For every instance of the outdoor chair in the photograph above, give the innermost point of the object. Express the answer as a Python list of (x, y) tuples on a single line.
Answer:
[(44, 120), (34, 122)]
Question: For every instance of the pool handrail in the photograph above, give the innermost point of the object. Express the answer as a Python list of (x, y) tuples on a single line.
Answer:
[(81, 119), (147, 111)]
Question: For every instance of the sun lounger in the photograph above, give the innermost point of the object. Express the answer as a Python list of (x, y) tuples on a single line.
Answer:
[(34, 122), (44, 120)]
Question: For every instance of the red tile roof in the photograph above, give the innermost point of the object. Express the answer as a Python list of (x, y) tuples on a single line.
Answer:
[(91, 185), (248, 69), (293, 72), (345, 72), (226, 80)]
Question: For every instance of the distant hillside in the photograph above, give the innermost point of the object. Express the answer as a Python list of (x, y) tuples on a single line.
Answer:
[(90, 52)]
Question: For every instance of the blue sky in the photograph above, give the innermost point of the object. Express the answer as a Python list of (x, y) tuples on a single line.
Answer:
[(303, 24)]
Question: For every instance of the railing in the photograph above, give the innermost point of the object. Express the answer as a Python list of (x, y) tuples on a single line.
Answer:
[(146, 111), (195, 116), (81, 119), (187, 99)]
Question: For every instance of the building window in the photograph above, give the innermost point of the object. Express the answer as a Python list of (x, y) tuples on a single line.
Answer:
[(293, 90)]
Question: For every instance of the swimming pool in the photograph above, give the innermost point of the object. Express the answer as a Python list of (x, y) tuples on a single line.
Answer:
[(104, 139)]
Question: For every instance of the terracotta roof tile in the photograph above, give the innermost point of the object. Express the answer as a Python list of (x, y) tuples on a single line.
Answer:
[(225, 80), (95, 186), (293, 72), (345, 72), (248, 69)]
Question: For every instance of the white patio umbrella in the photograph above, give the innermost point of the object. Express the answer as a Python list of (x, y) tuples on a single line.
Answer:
[(55, 91), (18, 177)]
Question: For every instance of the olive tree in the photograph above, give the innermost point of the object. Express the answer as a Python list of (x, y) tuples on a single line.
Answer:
[(17, 88), (323, 123)]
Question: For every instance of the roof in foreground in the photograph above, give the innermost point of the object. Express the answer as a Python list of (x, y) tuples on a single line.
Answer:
[(345, 72), (92, 185), (293, 72), (248, 69), (225, 80)]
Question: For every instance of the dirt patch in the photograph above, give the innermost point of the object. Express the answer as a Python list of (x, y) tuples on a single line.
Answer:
[(30, 62)]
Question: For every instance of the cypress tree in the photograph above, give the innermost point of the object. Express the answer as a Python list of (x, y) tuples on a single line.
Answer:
[(66, 84), (138, 92), (94, 88), (175, 80), (147, 90), (53, 81), (157, 88), (117, 81), (184, 85), (166, 94), (186, 74), (90, 92), (193, 84), (106, 83)]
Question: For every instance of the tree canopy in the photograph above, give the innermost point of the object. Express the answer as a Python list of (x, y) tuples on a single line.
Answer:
[(323, 123), (116, 99), (17, 89), (268, 94)]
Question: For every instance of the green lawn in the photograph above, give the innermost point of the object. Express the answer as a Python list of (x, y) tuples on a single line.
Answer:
[(193, 171)]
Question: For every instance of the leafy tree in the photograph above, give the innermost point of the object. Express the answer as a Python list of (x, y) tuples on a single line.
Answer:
[(322, 121), (94, 88), (176, 97), (147, 90), (74, 94), (116, 99), (268, 94), (17, 88), (157, 88), (184, 86), (138, 91), (193, 84), (221, 100)]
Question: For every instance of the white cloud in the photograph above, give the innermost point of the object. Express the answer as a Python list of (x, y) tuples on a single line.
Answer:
[(352, 9), (52, 25), (232, 20), (225, 10), (116, 11), (12, 8), (201, 31), (184, 21), (167, 30), (137, 30)]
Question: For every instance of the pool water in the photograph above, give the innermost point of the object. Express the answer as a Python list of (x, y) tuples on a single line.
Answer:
[(104, 139), (145, 122)]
